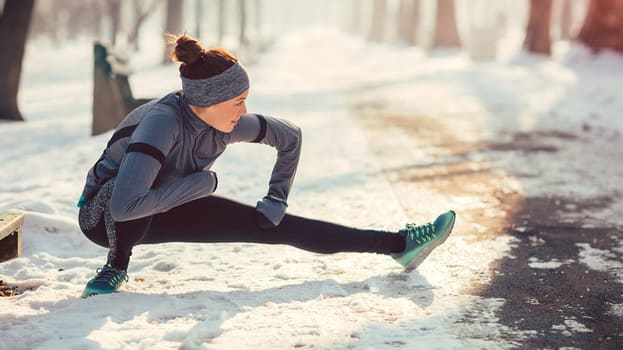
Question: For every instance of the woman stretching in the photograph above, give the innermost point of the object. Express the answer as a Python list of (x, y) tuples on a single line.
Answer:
[(153, 182)]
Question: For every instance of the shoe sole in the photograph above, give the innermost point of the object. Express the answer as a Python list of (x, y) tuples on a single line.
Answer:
[(88, 294), (420, 258), (84, 296)]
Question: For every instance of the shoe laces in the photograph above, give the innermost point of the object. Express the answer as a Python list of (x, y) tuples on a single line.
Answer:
[(110, 275), (420, 233)]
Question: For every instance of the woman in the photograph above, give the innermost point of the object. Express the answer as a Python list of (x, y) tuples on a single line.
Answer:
[(153, 182)]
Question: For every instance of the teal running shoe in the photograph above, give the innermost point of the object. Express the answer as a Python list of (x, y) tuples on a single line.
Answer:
[(422, 239), (106, 281)]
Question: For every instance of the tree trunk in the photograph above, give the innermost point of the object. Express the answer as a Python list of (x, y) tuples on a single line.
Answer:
[(221, 21), (408, 20), (355, 17), (114, 12), (379, 14), (142, 10), (198, 17), (258, 21), (173, 23), (565, 19), (483, 28), (14, 24), (537, 32), (243, 22), (96, 11), (603, 26), (446, 33)]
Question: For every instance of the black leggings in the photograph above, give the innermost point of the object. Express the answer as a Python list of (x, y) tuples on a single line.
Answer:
[(216, 219)]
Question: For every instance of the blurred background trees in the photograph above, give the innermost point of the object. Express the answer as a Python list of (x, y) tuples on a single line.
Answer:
[(603, 28), (426, 23), (408, 21), (379, 19), (14, 23), (247, 26), (173, 22), (446, 32), (538, 29)]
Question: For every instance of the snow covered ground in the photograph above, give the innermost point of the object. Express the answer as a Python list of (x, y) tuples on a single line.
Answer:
[(234, 296)]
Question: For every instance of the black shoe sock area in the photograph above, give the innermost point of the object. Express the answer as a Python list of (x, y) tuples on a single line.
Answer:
[(398, 244), (119, 263)]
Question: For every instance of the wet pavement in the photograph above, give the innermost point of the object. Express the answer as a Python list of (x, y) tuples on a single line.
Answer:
[(563, 276)]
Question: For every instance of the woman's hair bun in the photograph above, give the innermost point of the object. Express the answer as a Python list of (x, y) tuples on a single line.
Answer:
[(198, 62), (187, 49)]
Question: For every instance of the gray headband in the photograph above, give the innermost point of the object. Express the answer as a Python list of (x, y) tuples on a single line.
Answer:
[(227, 85)]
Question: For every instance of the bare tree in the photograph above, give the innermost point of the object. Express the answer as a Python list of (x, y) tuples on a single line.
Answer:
[(44, 21), (96, 9), (538, 30), (198, 17), (244, 41), (409, 13), (79, 18), (446, 33), (173, 23), (379, 18), (60, 20), (565, 19), (113, 7), (484, 27), (603, 26), (221, 21), (258, 20), (14, 23), (142, 9), (356, 17)]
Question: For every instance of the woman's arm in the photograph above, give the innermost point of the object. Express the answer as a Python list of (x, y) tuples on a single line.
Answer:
[(287, 139), (133, 196)]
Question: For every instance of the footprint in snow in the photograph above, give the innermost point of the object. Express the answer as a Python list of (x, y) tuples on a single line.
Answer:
[(164, 266)]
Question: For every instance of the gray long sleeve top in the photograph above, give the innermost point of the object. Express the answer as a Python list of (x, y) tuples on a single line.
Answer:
[(161, 153)]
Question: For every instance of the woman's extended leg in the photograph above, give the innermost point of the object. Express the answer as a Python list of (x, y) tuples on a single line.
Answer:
[(217, 219)]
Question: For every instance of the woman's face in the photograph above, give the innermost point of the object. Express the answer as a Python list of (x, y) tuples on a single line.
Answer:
[(223, 116)]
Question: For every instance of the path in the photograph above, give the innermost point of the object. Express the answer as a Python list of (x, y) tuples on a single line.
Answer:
[(561, 283)]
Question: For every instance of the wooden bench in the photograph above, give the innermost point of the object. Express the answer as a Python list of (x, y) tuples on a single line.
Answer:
[(112, 95), (10, 235)]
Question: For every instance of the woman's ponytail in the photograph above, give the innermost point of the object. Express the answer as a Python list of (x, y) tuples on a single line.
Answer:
[(187, 49), (198, 62)]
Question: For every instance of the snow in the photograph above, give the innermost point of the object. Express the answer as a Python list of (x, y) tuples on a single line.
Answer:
[(600, 260), (616, 310), (224, 296), (552, 264), (571, 326)]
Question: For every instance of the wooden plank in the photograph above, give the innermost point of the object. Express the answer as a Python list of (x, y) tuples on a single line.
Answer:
[(11, 235)]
